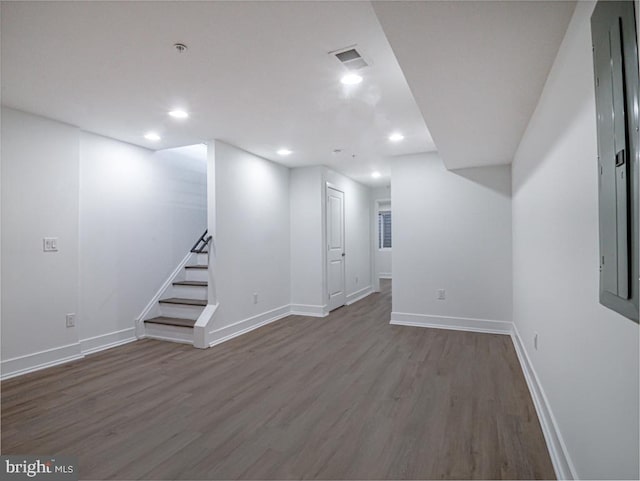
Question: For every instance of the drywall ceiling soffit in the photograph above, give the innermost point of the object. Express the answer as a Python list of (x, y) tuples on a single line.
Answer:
[(256, 74), (476, 69)]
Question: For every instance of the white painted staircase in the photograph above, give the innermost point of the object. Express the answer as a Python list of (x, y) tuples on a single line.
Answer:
[(180, 311)]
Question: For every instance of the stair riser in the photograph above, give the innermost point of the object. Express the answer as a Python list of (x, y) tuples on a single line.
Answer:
[(180, 310), (189, 292), (202, 259), (197, 275), (169, 333)]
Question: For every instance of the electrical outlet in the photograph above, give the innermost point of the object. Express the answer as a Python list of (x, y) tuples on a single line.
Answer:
[(50, 244), (442, 294), (255, 297), (535, 341), (71, 320)]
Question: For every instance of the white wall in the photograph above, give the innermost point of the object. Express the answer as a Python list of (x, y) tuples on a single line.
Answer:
[(308, 252), (306, 238), (251, 235), (39, 198), (587, 359), (1, 203), (1, 115), (124, 218), (140, 213), (452, 231)]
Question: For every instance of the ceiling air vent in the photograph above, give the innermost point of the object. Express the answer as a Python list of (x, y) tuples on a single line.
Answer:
[(350, 58)]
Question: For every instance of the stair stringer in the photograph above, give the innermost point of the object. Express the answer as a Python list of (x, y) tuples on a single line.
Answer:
[(201, 334)]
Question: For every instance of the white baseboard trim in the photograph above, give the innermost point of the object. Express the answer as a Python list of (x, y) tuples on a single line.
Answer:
[(384, 275), (308, 310), (107, 341), (226, 333), (359, 295), (20, 365), (562, 464), (558, 452), (453, 323)]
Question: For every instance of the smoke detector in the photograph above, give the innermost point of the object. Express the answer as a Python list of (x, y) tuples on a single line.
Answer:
[(180, 47)]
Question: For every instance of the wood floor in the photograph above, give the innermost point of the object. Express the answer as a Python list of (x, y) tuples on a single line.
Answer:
[(344, 397)]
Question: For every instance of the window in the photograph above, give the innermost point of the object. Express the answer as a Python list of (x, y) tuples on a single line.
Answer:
[(384, 229)]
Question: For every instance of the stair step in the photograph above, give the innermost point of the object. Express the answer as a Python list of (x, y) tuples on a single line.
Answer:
[(182, 300), (172, 321), (191, 283), (196, 267)]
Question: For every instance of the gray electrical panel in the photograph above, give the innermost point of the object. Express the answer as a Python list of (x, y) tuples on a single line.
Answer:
[(615, 61)]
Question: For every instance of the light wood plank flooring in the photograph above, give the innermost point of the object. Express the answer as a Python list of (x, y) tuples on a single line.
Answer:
[(344, 397)]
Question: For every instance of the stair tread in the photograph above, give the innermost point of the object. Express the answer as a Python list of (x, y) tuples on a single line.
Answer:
[(172, 321), (196, 266), (182, 300), (191, 283)]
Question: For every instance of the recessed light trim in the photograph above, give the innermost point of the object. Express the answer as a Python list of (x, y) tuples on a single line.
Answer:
[(396, 137), (376, 175), (284, 151), (351, 79), (179, 114), (152, 136)]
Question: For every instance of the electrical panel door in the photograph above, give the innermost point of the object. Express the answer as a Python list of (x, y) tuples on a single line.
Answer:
[(615, 61)]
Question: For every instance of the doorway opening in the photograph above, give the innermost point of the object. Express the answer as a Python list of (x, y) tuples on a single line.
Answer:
[(383, 240)]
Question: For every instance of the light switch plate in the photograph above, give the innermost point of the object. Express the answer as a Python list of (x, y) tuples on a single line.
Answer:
[(50, 244)]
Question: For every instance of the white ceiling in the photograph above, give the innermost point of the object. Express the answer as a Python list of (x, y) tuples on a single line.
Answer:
[(476, 69), (256, 75)]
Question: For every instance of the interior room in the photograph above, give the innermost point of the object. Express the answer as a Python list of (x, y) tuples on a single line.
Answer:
[(320, 240)]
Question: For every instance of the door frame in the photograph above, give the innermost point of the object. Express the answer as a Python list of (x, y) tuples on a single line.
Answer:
[(325, 257)]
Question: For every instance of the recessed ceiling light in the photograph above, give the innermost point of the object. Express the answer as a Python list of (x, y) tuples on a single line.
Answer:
[(351, 79), (375, 174), (283, 152), (396, 137), (152, 136), (179, 114)]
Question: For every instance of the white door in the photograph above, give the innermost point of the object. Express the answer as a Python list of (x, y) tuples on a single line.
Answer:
[(335, 248)]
